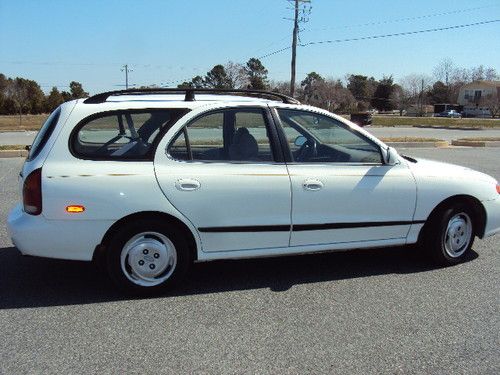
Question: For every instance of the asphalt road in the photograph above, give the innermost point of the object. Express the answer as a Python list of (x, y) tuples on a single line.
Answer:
[(363, 312), (21, 138)]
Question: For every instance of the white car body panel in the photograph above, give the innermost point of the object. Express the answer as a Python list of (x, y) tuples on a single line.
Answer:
[(273, 194), (351, 194)]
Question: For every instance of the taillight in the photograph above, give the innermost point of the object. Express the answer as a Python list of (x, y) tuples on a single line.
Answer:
[(498, 189), (32, 193)]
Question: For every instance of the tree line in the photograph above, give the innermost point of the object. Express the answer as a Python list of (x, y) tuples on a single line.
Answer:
[(25, 96), (354, 93)]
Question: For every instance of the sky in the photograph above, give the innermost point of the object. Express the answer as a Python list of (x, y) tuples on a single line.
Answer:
[(165, 42)]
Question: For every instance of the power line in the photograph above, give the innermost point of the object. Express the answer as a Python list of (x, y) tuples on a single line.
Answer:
[(381, 36), (400, 34), (375, 23)]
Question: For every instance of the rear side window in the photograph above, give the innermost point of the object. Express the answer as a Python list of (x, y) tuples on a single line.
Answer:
[(44, 134), (231, 135), (122, 135)]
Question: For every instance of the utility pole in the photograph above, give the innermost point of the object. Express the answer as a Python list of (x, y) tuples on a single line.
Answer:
[(296, 21), (422, 99), (126, 69)]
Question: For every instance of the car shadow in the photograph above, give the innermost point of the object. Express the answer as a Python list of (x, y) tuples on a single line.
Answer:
[(39, 282)]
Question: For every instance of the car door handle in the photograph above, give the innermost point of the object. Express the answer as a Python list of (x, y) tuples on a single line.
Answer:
[(187, 184), (312, 185)]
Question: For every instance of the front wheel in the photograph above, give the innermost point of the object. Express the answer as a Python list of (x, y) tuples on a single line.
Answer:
[(146, 256), (450, 234)]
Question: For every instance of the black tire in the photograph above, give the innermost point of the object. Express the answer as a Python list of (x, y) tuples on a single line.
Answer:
[(456, 219), (161, 241)]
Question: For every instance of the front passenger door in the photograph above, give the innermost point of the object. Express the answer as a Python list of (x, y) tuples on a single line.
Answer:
[(342, 192)]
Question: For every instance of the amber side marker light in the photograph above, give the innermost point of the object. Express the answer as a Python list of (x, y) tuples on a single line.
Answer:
[(75, 209), (498, 189)]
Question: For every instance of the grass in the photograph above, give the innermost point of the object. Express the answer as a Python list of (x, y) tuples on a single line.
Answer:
[(12, 147), (435, 121), (33, 122), (28, 122), (480, 139)]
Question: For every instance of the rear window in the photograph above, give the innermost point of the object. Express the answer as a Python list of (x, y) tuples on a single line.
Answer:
[(44, 134), (122, 135)]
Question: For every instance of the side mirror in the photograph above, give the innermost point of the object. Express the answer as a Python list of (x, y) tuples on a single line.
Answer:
[(300, 140), (390, 156)]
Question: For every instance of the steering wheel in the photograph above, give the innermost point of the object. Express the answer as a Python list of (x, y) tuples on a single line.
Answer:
[(308, 150)]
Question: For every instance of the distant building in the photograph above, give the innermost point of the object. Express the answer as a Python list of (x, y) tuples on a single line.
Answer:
[(478, 97)]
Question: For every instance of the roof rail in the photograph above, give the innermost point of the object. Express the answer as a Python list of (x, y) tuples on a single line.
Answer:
[(190, 94)]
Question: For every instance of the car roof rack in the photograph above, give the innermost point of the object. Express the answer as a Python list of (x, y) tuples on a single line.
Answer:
[(190, 94)]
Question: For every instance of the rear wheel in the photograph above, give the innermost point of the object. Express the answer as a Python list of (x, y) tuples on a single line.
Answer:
[(146, 257), (450, 234)]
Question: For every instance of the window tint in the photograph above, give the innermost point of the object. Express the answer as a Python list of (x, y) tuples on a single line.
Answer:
[(44, 134), (123, 134), (231, 135), (316, 138)]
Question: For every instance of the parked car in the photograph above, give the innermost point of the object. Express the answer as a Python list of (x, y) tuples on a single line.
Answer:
[(451, 114), (148, 181), (362, 119)]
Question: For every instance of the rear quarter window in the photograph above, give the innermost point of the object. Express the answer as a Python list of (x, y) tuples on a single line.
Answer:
[(122, 135), (44, 134)]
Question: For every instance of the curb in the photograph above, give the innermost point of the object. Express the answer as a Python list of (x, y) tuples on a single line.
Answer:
[(448, 127), (13, 153), (458, 142)]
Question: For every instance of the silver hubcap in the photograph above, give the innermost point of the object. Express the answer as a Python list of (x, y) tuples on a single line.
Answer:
[(148, 258), (458, 235)]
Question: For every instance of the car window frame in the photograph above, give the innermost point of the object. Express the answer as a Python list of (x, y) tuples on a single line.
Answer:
[(274, 141), (288, 152), (148, 157)]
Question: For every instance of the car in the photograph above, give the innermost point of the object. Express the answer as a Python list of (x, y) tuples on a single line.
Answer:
[(146, 182), (451, 114), (362, 119)]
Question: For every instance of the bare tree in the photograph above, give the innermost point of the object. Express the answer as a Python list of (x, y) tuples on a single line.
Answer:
[(412, 84), (444, 70), (17, 91), (236, 73), (492, 101)]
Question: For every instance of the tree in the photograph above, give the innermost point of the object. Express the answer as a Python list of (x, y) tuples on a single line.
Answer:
[(440, 93), (492, 101), (36, 97), (76, 90), (17, 92), (237, 74), (3, 87), (196, 82), (362, 88), (53, 100), (310, 85), (257, 74), (383, 93), (282, 87), (444, 70), (327, 94), (217, 78), (400, 99)]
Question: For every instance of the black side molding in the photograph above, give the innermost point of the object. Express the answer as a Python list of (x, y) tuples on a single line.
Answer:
[(306, 227)]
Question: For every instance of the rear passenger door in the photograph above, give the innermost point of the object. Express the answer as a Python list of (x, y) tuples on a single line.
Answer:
[(224, 171)]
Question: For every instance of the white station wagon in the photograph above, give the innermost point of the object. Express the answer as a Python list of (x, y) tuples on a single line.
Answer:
[(149, 181)]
